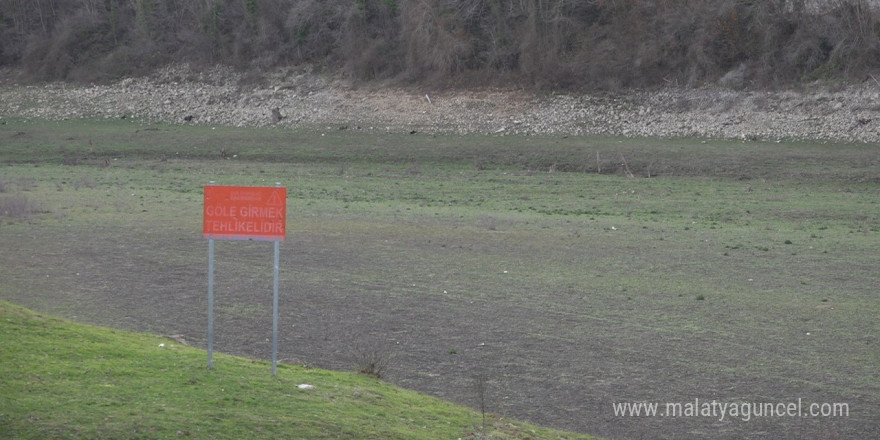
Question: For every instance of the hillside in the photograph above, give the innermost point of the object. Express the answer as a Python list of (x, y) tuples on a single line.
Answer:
[(533, 44)]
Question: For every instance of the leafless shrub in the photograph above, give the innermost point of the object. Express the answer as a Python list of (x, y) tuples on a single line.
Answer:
[(69, 160), (433, 41), (17, 207), (734, 79), (415, 169), (488, 222), (312, 28), (372, 358), (480, 385), (84, 181), (27, 183)]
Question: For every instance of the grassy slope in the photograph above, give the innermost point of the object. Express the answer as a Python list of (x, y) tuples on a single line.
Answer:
[(66, 380)]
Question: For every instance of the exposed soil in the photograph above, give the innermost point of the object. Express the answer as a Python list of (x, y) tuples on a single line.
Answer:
[(555, 366)]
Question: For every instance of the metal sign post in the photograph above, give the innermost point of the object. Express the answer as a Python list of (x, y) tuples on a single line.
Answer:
[(244, 213), (210, 303), (275, 312)]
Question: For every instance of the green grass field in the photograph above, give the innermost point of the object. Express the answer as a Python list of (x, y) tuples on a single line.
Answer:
[(68, 380), (570, 273)]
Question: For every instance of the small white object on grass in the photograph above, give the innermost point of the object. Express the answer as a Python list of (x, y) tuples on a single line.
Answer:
[(305, 386)]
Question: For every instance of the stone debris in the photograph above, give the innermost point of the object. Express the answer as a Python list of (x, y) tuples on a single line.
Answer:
[(222, 96)]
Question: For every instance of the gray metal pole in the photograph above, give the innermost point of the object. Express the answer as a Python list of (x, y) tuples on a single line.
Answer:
[(210, 299), (275, 314), (210, 303), (275, 307)]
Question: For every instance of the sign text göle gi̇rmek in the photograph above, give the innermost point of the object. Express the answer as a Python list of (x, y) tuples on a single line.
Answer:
[(244, 213)]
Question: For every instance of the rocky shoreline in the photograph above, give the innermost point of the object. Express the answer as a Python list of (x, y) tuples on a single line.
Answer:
[(299, 98)]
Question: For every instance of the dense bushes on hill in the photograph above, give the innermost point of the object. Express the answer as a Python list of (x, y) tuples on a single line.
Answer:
[(604, 44)]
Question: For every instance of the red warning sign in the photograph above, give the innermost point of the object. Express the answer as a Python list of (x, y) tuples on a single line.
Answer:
[(245, 213)]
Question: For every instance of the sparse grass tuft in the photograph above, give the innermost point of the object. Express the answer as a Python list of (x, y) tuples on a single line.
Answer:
[(17, 207), (85, 181)]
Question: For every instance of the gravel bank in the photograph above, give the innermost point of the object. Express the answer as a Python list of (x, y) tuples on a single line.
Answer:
[(288, 99)]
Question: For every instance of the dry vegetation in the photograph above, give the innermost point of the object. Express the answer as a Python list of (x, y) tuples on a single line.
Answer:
[(575, 44)]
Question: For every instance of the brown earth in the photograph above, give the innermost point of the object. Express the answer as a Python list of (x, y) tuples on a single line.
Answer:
[(560, 366)]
